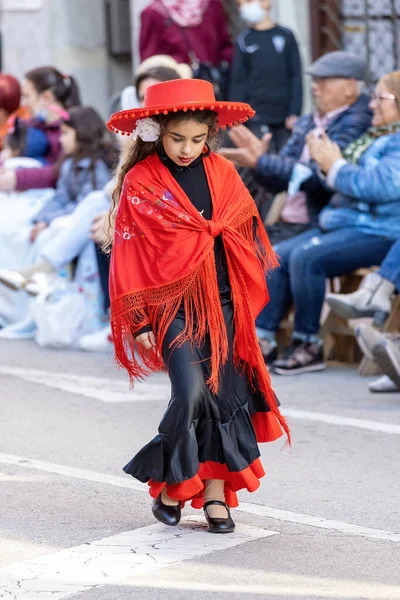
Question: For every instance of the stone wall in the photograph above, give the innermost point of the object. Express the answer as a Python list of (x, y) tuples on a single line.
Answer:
[(69, 35)]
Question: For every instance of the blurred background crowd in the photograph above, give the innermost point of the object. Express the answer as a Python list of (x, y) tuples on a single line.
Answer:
[(321, 159)]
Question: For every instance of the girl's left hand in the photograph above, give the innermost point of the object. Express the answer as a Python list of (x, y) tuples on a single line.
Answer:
[(323, 151), (8, 180)]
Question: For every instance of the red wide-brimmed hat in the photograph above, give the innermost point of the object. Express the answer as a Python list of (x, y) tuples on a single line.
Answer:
[(181, 94)]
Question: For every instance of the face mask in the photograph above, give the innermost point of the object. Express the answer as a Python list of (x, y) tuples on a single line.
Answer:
[(252, 12)]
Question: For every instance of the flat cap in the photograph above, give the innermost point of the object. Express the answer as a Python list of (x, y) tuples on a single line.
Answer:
[(339, 64)]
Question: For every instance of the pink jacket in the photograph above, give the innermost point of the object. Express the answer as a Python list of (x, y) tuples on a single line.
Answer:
[(210, 41)]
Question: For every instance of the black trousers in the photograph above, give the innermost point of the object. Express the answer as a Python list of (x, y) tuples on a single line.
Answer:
[(103, 265)]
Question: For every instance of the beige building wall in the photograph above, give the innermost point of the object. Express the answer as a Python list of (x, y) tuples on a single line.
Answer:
[(295, 14), (67, 34)]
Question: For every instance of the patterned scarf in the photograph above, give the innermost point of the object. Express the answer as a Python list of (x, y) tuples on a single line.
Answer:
[(186, 13), (354, 150), (163, 257)]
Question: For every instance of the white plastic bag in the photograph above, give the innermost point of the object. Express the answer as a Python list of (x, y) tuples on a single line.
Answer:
[(59, 314)]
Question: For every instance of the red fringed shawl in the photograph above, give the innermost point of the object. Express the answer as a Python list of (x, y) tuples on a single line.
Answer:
[(163, 255)]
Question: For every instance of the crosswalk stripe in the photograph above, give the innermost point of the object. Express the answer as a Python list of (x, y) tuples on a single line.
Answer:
[(118, 559), (246, 507), (98, 388), (117, 391)]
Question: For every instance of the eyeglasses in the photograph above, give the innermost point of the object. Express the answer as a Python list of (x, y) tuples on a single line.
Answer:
[(380, 97)]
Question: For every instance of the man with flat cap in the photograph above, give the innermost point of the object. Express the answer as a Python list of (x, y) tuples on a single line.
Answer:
[(341, 112)]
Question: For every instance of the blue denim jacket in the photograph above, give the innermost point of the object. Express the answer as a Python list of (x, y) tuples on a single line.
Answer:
[(273, 171), (75, 182), (368, 194)]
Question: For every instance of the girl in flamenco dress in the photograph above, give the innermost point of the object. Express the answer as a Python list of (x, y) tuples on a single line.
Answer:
[(187, 281)]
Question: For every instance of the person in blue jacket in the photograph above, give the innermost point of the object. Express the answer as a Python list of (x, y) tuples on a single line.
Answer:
[(340, 110), (356, 229)]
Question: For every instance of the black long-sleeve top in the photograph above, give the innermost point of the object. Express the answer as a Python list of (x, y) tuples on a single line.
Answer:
[(266, 73), (193, 181)]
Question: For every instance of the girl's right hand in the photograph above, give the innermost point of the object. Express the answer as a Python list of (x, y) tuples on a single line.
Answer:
[(37, 229), (147, 340)]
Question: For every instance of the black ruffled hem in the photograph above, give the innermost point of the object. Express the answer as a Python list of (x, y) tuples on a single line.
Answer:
[(173, 460)]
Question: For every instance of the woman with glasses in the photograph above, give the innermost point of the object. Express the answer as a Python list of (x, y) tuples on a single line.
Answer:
[(356, 229)]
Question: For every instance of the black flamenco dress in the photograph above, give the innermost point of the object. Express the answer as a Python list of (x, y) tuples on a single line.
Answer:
[(202, 435)]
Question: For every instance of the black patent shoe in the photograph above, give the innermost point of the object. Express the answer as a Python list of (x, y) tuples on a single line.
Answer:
[(169, 515), (218, 525)]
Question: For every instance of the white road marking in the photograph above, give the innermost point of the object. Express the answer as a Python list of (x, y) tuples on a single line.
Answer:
[(247, 507), (320, 522), (40, 465), (114, 390), (377, 426), (269, 584), (117, 560), (106, 390)]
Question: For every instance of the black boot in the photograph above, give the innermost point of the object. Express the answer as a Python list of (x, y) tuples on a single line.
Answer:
[(169, 515), (218, 525)]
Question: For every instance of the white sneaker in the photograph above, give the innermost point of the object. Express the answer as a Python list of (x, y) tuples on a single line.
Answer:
[(37, 284), (100, 341), (383, 385), (23, 330), (12, 279)]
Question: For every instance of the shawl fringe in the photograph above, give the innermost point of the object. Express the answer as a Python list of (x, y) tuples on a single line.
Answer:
[(199, 294)]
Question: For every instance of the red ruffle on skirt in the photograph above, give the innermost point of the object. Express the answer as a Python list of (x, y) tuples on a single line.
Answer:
[(193, 489), (267, 429)]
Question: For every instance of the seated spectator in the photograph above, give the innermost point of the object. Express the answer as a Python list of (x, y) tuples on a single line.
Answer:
[(194, 32), (340, 111), (46, 94), (372, 299), (24, 141), (266, 73), (89, 157), (356, 230), (85, 227), (10, 98)]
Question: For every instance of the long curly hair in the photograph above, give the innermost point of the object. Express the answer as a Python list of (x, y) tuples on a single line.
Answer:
[(139, 150)]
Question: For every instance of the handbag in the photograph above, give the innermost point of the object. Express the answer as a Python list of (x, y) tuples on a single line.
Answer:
[(218, 76), (59, 314)]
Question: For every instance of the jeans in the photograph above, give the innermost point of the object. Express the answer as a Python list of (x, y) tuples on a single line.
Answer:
[(71, 241), (390, 268), (307, 260)]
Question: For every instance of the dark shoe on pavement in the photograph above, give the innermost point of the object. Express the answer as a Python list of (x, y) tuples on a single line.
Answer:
[(218, 525), (169, 515), (269, 350), (302, 357)]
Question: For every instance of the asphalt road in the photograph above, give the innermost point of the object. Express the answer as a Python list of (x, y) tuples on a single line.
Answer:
[(323, 525)]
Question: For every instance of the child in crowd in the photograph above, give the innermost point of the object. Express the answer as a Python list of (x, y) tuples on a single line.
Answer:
[(47, 94), (186, 282), (89, 155), (24, 142)]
